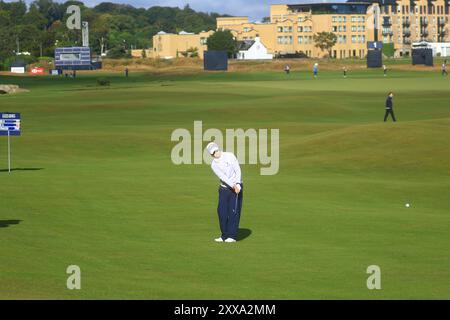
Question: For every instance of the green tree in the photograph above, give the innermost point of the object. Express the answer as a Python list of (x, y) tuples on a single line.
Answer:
[(190, 53), (325, 41), (42, 27), (223, 41)]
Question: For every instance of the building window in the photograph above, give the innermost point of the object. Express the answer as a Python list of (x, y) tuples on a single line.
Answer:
[(300, 39), (342, 39), (285, 40), (299, 29)]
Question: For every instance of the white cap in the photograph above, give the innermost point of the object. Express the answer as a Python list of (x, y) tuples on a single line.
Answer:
[(212, 147)]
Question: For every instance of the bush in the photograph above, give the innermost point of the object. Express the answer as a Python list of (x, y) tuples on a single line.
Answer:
[(103, 82), (388, 49), (6, 63), (118, 52)]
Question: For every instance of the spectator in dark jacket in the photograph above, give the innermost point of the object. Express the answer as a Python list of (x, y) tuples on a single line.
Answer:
[(389, 107)]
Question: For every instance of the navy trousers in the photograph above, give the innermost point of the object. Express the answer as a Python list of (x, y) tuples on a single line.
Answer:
[(389, 112), (229, 211)]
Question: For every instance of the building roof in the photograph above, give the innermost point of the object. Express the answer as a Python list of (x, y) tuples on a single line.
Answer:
[(349, 7), (244, 45), (232, 17)]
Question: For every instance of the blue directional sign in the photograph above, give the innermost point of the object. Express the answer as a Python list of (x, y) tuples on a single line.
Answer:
[(374, 44), (9, 122)]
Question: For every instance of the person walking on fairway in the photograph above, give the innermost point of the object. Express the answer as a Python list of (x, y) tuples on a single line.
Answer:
[(126, 72), (287, 69), (444, 68), (226, 167), (389, 107), (316, 69), (384, 70), (344, 69)]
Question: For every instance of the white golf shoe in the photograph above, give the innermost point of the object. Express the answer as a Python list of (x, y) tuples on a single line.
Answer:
[(218, 240), (230, 240)]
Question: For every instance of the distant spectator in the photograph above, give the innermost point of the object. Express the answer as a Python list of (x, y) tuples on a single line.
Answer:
[(287, 69), (384, 70), (126, 72), (316, 69), (344, 70), (389, 107), (444, 68)]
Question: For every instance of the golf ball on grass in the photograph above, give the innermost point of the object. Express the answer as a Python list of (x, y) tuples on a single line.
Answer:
[(407, 205)]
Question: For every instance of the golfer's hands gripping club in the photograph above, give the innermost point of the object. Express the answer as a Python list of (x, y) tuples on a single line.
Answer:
[(237, 188)]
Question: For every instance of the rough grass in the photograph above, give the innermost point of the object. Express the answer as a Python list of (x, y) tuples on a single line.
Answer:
[(186, 66)]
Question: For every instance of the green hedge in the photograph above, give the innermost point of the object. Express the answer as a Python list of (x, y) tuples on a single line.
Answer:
[(388, 49)]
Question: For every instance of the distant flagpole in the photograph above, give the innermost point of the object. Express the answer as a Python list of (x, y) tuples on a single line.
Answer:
[(9, 153)]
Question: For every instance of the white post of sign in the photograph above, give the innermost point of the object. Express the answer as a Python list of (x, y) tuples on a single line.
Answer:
[(9, 153)]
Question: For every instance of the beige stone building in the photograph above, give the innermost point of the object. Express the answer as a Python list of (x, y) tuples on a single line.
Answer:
[(405, 22), (399, 23), (172, 45), (291, 28)]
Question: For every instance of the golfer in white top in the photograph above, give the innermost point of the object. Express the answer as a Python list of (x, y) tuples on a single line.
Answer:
[(226, 167)]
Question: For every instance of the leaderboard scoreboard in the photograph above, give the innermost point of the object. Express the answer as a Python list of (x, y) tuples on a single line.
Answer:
[(9, 122), (73, 58)]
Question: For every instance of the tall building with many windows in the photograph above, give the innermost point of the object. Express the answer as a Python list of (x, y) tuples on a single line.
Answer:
[(398, 24)]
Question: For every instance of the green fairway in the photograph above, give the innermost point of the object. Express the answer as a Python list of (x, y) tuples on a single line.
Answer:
[(95, 187)]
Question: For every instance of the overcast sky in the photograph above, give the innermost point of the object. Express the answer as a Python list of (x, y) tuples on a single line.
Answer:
[(255, 9)]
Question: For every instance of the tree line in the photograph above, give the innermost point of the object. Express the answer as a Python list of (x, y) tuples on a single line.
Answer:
[(41, 26)]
